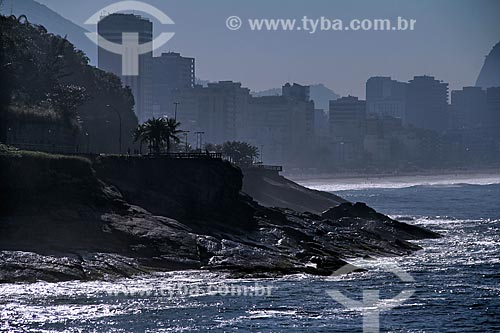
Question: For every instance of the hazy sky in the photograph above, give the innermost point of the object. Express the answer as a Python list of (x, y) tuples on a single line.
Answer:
[(450, 40)]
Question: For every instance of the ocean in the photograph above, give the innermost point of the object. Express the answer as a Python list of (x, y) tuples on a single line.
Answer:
[(452, 285)]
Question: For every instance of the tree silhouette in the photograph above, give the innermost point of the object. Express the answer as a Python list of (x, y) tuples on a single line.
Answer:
[(172, 130), (139, 136), (43, 77), (240, 153), (158, 132)]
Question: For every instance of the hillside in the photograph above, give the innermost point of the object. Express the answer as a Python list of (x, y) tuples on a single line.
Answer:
[(45, 74), (490, 72), (40, 14)]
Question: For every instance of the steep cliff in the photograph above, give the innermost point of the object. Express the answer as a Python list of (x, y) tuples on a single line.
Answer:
[(179, 188), (68, 218)]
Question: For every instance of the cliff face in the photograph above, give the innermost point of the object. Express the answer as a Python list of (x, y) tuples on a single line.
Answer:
[(67, 218), (178, 188), (55, 23)]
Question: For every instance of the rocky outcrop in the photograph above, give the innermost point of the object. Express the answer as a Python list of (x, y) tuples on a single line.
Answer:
[(359, 215), (184, 189), (67, 218)]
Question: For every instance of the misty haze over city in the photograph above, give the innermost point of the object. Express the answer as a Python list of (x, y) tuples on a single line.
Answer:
[(409, 108), (249, 165), (450, 41)]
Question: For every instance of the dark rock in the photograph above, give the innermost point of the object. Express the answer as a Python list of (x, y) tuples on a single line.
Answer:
[(66, 224), (347, 209), (360, 216)]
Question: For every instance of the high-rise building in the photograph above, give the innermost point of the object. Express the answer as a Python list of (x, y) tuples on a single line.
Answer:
[(320, 122), (283, 125), (347, 118), (493, 107), (224, 111), (427, 103), (267, 124), (469, 107), (231, 113), (386, 97), (218, 109), (347, 122), (129, 28), (302, 112), (171, 72), (296, 91)]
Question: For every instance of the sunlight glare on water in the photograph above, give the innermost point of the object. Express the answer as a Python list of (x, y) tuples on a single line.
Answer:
[(456, 283)]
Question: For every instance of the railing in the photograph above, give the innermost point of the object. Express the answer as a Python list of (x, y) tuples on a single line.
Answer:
[(72, 150), (190, 155), (278, 168), (45, 147)]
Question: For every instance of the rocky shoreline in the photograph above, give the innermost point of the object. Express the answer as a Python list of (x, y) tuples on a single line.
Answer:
[(67, 218)]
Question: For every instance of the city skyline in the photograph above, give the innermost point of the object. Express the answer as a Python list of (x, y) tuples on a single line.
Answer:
[(395, 114), (388, 116), (457, 61)]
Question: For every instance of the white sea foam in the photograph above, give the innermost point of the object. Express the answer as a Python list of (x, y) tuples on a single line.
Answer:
[(360, 183)]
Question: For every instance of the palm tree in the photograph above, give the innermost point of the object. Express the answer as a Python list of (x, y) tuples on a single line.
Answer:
[(139, 136), (171, 132), (240, 153), (154, 132), (157, 131)]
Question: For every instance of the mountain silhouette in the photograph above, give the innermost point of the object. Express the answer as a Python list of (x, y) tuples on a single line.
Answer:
[(490, 73), (319, 93), (53, 22)]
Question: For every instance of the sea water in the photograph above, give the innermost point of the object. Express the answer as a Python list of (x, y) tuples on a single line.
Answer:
[(455, 281)]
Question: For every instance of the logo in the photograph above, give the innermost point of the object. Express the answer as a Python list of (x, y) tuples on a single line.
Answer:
[(372, 305), (233, 23), (130, 49)]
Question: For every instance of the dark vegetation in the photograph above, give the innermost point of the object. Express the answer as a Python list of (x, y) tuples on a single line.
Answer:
[(27, 174), (158, 133), (46, 81), (238, 152)]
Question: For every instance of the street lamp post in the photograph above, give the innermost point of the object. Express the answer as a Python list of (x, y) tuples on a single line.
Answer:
[(199, 139), (261, 153), (120, 119), (186, 140)]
